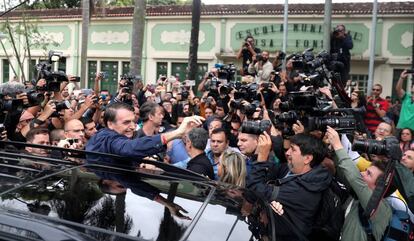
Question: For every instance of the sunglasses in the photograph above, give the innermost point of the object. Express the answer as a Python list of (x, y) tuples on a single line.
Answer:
[(376, 89)]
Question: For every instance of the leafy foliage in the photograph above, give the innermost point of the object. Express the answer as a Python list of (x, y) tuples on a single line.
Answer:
[(51, 4), (37, 39)]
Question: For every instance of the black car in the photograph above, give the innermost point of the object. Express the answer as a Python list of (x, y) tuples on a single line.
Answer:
[(50, 199)]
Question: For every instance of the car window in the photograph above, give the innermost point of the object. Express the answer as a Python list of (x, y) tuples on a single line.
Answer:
[(134, 204)]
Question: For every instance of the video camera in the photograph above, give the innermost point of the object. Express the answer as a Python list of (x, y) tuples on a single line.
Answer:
[(305, 100), (226, 71), (45, 71), (62, 105), (320, 70), (34, 97), (343, 120), (248, 109), (11, 105), (389, 147), (128, 86), (256, 128)]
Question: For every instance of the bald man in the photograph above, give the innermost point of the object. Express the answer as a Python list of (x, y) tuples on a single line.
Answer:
[(74, 134)]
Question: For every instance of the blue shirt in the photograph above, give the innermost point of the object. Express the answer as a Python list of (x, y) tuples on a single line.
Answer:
[(109, 141), (178, 152), (210, 156)]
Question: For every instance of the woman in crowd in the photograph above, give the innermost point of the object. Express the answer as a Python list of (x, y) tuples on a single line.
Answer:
[(406, 139), (358, 99), (232, 168)]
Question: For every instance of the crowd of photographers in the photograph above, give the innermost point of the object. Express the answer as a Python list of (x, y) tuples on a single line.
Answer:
[(285, 133)]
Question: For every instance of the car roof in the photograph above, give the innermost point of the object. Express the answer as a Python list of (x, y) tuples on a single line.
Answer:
[(73, 197)]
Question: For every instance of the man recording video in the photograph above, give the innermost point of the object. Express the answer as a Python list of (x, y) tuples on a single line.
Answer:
[(261, 66), (125, 89), (341, 43), (248, 142), (247, 51), (297, 186)]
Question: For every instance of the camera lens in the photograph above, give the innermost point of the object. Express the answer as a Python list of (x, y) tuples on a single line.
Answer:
[(255, 128), (339, 123), (370, 147), (288, 117), (62, 105), (35, 98)]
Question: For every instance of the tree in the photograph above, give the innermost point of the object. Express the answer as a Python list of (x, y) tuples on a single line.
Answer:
[(138, 28), (125, 3), (195, 28), (24, 35), (51, 4)]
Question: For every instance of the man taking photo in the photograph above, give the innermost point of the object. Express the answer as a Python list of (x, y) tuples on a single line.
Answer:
[(341, 43), (247, 51), (298, 188)]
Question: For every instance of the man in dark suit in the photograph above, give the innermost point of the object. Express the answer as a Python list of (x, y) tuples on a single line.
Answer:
[(195, 143)]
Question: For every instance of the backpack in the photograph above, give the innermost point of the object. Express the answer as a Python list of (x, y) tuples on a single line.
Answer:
[(399, 229), (331, 214)]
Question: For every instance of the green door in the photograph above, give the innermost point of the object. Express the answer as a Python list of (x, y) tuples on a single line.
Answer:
[(111, 82), (6, 70), (180, 70), (162, 69), (92, 68), (125, 67)]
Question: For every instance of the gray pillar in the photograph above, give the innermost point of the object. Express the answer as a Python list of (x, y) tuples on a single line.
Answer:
[(285, 31), (327, 23), (372, 36)]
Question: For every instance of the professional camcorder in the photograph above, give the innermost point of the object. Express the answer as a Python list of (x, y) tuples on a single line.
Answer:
[(34, 97), (248, 109), (256, 128), (320, 70), (389, 147), (305, 100), (11, 105), (128, 85), (344, 120), (226, 71), (45, 71)]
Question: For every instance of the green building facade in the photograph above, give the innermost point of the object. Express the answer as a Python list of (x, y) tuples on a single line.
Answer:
[(222, 31)]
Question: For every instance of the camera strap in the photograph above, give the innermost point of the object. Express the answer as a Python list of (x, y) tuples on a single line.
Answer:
[(383, 184)]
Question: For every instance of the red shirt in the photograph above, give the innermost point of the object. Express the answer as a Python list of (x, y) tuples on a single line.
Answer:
[(372, 119)]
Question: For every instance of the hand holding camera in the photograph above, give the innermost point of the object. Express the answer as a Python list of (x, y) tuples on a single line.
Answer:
[(333, 138), (23, 96), (50, 107), (298, 127), (41, 83), (246, 45), (90, 100), (263, 147), (70, 143), (405, 73)]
